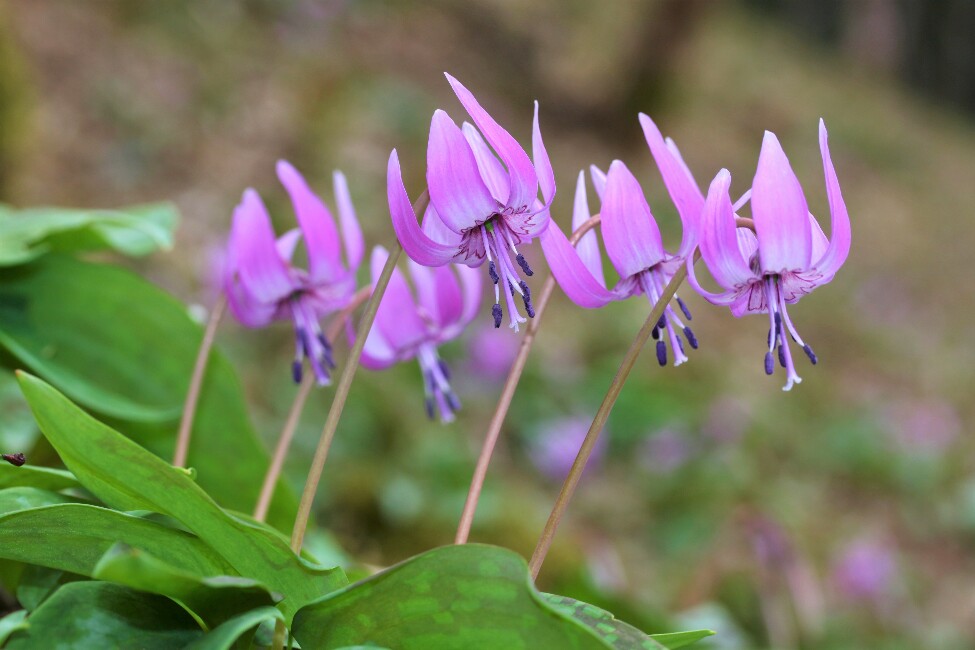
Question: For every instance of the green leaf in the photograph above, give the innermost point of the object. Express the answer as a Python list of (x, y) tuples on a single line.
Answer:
[(468, 596), (103, 615), (43, 478), (73, 537), (618, 634), (224, 636), (37, 583), (137, 230), (125, 476), (211, 600), (123, 348), (23, 498), (11, 623)]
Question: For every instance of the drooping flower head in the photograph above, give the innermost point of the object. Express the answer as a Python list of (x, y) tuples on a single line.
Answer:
[(261, 283), (447, 299), (788, 255), (483, 201), (633, 241)]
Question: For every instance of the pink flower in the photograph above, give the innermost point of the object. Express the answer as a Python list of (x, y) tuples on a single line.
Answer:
[(263, 286), (483, 201), (787, 257)]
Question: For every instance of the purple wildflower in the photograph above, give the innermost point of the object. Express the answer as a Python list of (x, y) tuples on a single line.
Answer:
[(788, 255), (482, 205), (633, 242), (406, 327), (866, 570), (555, 448), (263, 286)]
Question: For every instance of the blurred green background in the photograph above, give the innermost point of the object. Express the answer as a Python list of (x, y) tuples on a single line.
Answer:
[(840, 515)]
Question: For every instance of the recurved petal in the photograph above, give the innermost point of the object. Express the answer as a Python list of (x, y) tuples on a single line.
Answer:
[(780, 212), (523, 182), (543, 165), (397, 318), (839, 244), (377, 354), (570, 272), (317, 225), (723, 299), (587, 246), (598, 180), (492, 171), (471, 282), (456, 187), (287, 243), (351, 232), (719, 239), (260, 268), (417, 244), (630, 232)]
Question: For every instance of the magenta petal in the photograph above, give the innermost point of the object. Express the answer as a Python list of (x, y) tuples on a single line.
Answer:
[(683, 190), (287, 243), (450, 299), (523, 182), (397, 318), (588, 245), (456, 187), (839, 244), (780, 212), (570, 272), (351, 232), (543, 165), (321, 236), (377, 354), (260, 268), (722, 299), (416, 243), (492, 171), (471, 282), (598, 180), (629, 230), (435, 229), (719, 239)]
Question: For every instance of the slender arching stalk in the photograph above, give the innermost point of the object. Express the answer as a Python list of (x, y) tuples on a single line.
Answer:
[(504, 402), (294, 413), (196, 382), (602, 414), (342, 389)]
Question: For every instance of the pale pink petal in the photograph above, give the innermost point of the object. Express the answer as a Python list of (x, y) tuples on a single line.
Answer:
[(719, 240), (839, 244), (287, 243), (588, 245), (260, 267), (629, 230), (780, 212), (320, 233), (417, 244), (456, 187), (722, 299), (543, 165), (492, 171), (351, 232), (471, 282), (397, 318), (598, 180), (570, 272)]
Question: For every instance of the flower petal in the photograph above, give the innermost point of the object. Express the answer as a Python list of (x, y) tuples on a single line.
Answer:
[(417, 244), (351, 232), (287, 243), (683, 190), (377, 353), (570, 272), (588, 246), (321, 235), (723, 299), (260, 268), (839, 244), (456, 187), (719, 240), (629, 230), (471, 282), (598, 180), (780, 212), (523, 182), (543, 165), (492, 171), (397, 317)]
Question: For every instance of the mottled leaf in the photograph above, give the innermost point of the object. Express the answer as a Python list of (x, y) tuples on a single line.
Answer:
[(224, 636)]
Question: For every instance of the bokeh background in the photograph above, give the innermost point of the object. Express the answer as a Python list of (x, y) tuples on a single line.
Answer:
[(840, 515)]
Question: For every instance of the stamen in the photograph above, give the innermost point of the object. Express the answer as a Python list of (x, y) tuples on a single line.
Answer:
[(523, 263), (326, 351), (444, 370), (655, 333), (296, 371), (661, 353), (496, 312), (769, 363), (690, 337), (683, 308), (680, 344), (428, 403), (809, 353), (527, 297), (493, 272), (778, 324), (452, 400), (781, 355), (662, 323)]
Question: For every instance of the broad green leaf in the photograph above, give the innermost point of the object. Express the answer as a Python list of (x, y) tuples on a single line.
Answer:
[(618, 634), (224, 636), (11, 623), (73, 537), (43, 478), (31, 232), (123, 348), (102, 615), (23, 498), (467, 596), (211, 600), (37, 583), (125, 476)]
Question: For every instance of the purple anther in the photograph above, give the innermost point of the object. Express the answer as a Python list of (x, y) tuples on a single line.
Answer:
[(782, 355), (769, 363), (296, 371), (493, 272), (661, 353), (809, 353), (690, 337), (523, 263), (527, 297), (683, 308), (496, 312)]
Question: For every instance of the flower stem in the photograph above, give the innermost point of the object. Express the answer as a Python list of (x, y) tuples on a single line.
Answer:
[(196, 383), (572, 480), (507, 394), (342, 389), (294, 414)]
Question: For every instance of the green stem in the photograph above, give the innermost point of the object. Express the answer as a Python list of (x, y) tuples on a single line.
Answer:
[(196, 383), (572, 480), (504, 402), (342, 390)]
